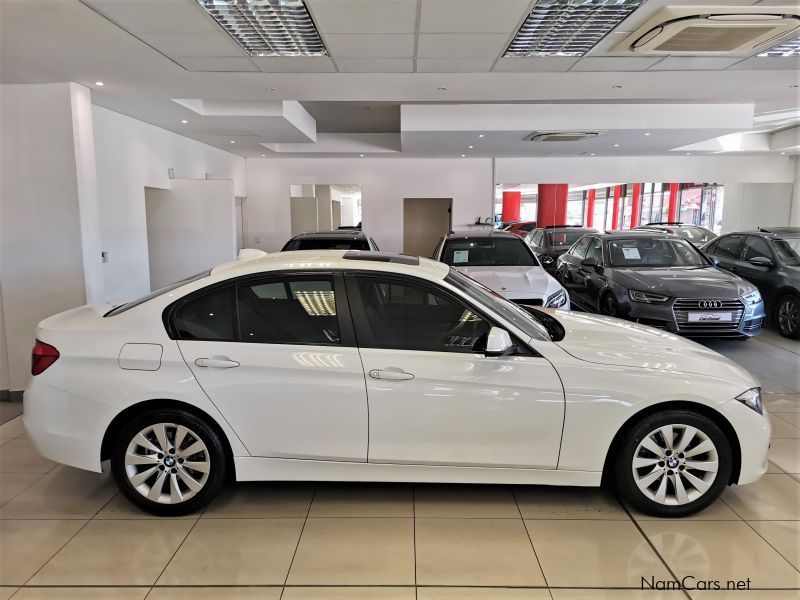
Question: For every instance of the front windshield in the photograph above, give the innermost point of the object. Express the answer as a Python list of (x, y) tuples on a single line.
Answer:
[(788, 251), (649, 252), (696, 235), (509, 311), (488, 252), (564, 238)]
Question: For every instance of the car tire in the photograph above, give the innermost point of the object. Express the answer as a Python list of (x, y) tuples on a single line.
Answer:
[(609, 305), (787, 316), (673, 478), (161, 477)]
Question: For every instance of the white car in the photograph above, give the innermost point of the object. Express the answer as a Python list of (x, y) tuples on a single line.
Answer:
[(504, 263), (364, 366)]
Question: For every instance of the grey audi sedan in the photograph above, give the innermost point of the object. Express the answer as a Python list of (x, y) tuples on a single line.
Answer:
[(659, 280)]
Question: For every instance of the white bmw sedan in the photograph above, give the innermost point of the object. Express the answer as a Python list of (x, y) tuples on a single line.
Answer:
[(363, 366)]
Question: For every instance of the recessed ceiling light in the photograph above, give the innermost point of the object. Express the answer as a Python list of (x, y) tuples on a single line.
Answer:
[(184, 121), (480, 135), (616, 145), (268, 27), (783, 152), (568, 28), (233, 141), (591, 154), (617, 87), (787, 48), (463, 156), (270, 89), (470, 147), (794, 85), (442, 89), (647, 133), (688, 154), (99, 83), (361, 155), (263, 155)]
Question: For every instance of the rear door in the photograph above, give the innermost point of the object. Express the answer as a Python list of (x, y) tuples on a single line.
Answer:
[(276, 354)]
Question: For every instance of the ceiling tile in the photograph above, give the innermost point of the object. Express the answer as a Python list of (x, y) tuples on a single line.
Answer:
[(472, 16), (535, 64), (695, 63), (364, 16), (294, 64), (461, 45), (454, 65), (375, 65), (230, 64), (386, 45), (155, 16), (615, 63), (213, 43), (769, 63)]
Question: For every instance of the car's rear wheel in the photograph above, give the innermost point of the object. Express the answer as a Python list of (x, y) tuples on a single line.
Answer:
[(168, 462), (673, 463), (788, 316)]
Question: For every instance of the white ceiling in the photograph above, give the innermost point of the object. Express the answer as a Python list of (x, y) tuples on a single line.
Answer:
[(383, 53)]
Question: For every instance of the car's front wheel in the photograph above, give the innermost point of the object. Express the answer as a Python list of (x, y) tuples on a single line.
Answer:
[(788, 317), (168, 462), (673, 463)]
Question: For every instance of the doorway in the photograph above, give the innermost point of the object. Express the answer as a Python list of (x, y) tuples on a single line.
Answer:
[(425, 221)]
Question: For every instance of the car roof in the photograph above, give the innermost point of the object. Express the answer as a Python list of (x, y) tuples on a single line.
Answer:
[(354, 234), (775, 234), (569, 228), (481, 234), (640, 233), (332, 260)]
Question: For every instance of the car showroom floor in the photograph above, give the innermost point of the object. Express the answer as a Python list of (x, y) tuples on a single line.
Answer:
[(69, 534)]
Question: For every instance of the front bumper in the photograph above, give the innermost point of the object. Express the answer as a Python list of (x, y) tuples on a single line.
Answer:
[(753, 431)]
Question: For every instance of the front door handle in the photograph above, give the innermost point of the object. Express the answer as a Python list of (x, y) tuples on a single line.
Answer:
[(216, 362), (391, 373)]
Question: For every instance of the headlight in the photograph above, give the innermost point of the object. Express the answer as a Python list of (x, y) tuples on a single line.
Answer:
[(647, 297), (752, 398), (752, 297), (557, 299)]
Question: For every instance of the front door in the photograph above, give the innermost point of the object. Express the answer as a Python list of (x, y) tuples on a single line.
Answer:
[(434, 398), (762, 277), (276, 358)]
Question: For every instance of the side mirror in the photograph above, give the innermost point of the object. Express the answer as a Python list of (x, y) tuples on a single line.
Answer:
[(592, 263), (498, 343), (761, 261)]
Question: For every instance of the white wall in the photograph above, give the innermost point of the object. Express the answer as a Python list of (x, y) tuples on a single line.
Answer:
[(384, 183), (130, 156), (751, 205), (794, 217)]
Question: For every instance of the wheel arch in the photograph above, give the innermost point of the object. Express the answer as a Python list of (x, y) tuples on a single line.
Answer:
[(140, 408), (715, 416)]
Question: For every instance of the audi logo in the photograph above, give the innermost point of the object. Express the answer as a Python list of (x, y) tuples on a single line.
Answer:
[(710, 304)]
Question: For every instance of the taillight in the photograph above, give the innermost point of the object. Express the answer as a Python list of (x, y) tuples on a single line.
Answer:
[(43, 356)]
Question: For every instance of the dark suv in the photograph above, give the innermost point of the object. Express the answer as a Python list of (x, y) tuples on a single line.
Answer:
[(341, 239), (548, 243), (691, 233), (770, 259)]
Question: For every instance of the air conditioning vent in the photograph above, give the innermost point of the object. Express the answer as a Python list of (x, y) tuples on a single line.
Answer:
[(561, 136), (713, 31)]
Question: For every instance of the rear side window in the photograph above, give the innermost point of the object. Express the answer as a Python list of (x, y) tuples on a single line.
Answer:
[(756, 247), (210, 317), (579, 249), (728, 246)]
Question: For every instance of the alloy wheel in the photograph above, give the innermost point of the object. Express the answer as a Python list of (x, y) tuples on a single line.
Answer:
[(789, 316), (675, 464), (167, 463)]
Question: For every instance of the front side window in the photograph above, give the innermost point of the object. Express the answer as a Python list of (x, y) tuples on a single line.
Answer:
[(579, 249), (756, 247), (789, 251), (728, 246), (595, 250), (487, 252), (406, 316), (648, 252)]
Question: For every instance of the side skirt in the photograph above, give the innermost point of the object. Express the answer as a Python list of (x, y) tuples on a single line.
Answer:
[(285, 469)]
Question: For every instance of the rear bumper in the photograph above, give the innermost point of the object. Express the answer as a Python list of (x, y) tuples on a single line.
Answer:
[(63, 427)]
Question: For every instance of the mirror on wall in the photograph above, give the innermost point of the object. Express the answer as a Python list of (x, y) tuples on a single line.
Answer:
[(316, 207)]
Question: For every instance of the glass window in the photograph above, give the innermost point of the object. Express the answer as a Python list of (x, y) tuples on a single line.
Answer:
[(648, 252), (288, 311), (407, 316), (538, 238), (478, 252), (329, 244), (595, 249), (756, 246), (209, 317), (728, 246), (563, 238), (579, 249), (789, 251)]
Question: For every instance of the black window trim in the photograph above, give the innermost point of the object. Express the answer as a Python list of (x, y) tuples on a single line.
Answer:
[(743, 247), (347, 336)]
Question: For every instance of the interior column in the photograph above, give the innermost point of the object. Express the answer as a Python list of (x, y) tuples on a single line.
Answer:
[(552, 205), (674, 189), (636, 204), (615, 213), (512, 205), (590, 198)]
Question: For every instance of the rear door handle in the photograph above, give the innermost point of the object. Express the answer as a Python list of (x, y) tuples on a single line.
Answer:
[(216, 362), (390, 373)]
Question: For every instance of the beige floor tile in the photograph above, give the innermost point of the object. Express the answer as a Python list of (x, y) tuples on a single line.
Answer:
[(784, 536), (774, 497), (795, 476), (785, 454), (611, 594), (79, 593), (745, 595), (12, 429), (783, 429), (496, 593), (235, 552), (348, 593), (261, 500), (64, 493), (457, 552), (27, 545), (119, 507), (215, 593), (19, 456), (360, 551), (465, 501), (12, 484), (115, 553), (781, 403), (720, 550), (772, 468), (549, 502), (7, 591), (594, 553), (789, 417), (718, 511), (362, 500)]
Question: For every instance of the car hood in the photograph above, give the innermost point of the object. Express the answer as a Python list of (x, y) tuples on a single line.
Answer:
[(684, 282), (609, 341), (511, 279)]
